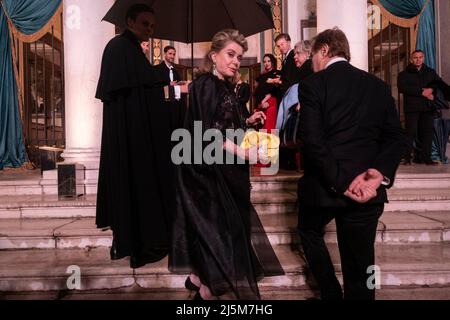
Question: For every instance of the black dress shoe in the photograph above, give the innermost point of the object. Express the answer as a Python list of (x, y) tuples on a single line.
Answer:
[(114, 253), (188, 284), (137, 261)]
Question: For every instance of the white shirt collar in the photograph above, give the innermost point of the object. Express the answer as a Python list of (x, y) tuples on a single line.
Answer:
[(334, 60), (288, 53), (168, 66)]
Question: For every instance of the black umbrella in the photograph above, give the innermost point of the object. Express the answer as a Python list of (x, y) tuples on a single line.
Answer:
[(192, 21), (117, 14)]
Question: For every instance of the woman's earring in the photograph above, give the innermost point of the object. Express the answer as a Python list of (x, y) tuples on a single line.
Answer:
[(214, 69)]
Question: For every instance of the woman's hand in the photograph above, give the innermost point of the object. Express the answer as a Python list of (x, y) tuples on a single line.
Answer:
[(184, 87), (250, 154), (257, 118), (275, 81), (265, 104)]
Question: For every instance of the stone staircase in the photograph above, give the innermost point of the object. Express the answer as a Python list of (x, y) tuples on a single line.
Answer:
[(41, 237)]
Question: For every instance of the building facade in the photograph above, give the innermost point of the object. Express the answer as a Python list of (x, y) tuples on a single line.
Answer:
[(377, 45)]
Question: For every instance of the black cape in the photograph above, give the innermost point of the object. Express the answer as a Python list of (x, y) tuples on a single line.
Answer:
[(216, 231), (135, 178)]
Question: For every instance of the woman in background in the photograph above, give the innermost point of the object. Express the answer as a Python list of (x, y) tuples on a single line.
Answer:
[(266, 92)]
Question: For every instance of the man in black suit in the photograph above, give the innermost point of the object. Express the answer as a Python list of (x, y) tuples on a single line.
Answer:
[(415, 84), (167, 74), (289, 70), (289, 76), (353, 144), (166, 70)]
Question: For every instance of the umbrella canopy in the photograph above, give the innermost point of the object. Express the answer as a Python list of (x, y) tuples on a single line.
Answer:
[(191, 21), (117, 14)]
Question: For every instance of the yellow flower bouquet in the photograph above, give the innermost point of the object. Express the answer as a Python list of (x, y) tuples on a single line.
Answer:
[(268, 145)]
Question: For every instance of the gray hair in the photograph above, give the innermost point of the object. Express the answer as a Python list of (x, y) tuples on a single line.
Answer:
[(304, 46)]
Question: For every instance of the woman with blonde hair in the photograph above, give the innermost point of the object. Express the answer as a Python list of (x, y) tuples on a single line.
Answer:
[(217, 237)]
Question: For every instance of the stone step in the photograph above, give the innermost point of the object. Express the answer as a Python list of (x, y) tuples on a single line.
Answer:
[(46, 206), (49, 270), (50, 206), (419, 176), (422, 181), (267, 293), (49, 233), (399, 200), (21, 183), (409, 177), (33, 183), (393, 228), (283, 181), (274, 202), (418, 200)]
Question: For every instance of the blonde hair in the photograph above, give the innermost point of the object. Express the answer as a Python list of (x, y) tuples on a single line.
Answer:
[(220, 41)]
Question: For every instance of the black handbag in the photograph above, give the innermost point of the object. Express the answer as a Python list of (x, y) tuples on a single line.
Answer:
[(289, 135)]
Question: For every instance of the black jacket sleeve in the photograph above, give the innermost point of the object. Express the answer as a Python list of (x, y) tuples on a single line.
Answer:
[(406, 87), (244, 93), (392, 143)]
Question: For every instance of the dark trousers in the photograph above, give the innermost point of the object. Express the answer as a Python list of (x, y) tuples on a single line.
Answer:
[(177, 114), (287, 159), (356, 231), (420, 125)]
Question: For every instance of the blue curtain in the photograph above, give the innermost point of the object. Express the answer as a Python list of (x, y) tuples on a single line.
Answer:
[(426, 35), (28, 16)]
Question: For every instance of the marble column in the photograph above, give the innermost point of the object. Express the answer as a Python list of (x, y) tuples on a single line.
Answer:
[(85, 37), (292, 11), (351, 17), (443, 35)]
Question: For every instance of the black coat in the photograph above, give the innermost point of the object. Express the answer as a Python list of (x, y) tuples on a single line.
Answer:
[(348, 124), (411, 83), (135, 184), (289, 73), (305, 70), (243, 93)]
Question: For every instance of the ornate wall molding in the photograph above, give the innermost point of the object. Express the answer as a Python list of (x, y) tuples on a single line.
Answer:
[(156, 51), (277, 20)]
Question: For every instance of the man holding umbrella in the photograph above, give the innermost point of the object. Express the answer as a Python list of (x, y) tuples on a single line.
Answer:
[(135, 178)]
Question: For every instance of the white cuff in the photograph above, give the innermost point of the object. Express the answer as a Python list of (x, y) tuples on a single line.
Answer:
[(386, 181), (177, 90)]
